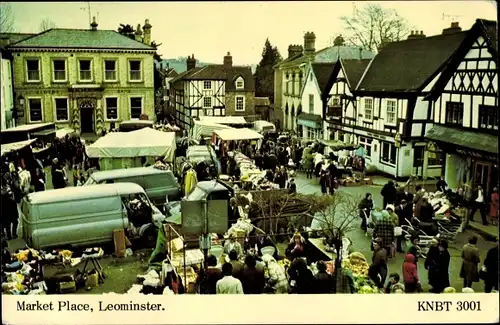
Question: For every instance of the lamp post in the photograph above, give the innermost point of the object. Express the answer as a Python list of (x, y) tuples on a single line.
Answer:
[(397, 144)]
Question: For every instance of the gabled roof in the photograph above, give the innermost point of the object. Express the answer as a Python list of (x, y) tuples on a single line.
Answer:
[(322, 72), (80, 38), (408, 65), (10, 38), (171, 73), (221, 72), (490, 28), (354, 70)]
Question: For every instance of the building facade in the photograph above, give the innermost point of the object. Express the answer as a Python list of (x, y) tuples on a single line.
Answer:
[(84, 79), (212, 90), (464, 109), (289, 75), (7, 91)]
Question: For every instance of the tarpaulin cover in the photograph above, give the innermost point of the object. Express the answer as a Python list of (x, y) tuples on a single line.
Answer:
[(145, 142), (238, 134), (223, 119), (204, 129), (6, 148)]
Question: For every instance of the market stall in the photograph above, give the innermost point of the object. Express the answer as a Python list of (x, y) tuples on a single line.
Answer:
[(233, 121), (202, 129), (127, 149)]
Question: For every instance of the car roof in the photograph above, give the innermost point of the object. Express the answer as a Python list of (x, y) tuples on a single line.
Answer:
[(127, 172), (88, 192)]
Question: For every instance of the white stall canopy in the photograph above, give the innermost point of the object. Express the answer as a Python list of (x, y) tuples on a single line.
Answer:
[(204, 129), (238, 134), (235, 120), (145, 142)]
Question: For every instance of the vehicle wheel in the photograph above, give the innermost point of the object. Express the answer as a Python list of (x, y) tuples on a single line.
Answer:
[(149, 237)]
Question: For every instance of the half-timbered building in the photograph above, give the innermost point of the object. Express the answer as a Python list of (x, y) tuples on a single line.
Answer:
[(212, 90), (338, 101), (464, 109), (310, 118), (391, 113)]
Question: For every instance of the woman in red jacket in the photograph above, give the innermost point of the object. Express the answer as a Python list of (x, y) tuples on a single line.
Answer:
[(494, 205), (410, 274)]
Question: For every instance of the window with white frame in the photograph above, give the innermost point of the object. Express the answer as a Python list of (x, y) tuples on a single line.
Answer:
[(85, 70), (488, 117), (59, 70), (311, 103), (240, 84), (35, 109), (240, 103), (207, 102), (112, 108), (62, 109), (207, 84), (33, 70), (388, 153), (368, 108), (110, 70), (209, 112), (366, 143), (135, 72), (135, 107), (391, 111)]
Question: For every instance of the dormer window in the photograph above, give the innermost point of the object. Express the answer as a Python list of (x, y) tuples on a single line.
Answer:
[(240, 83)]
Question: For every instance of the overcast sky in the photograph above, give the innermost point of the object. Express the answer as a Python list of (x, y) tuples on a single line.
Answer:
[(210, 29)]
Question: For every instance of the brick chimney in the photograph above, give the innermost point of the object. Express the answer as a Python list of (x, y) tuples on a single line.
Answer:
[(228, 60), (138, 33), (309, 43), (190, 62), (94, 24), (294, 49), (454, 28), (147, 32), (415, 34)]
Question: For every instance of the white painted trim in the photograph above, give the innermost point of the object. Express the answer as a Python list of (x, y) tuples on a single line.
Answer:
[(130, 106), (27, 101), (364, 73), (39, 69), (55, 108), (142, 70), (117, 108), (117, 70), (235, 103), (239, 79), (52, 60), (211, 85), (203, 102), (386, 120), (364, 108), (91, 70)]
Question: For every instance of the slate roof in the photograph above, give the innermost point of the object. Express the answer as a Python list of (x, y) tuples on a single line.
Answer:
[(467, 139), (354, 70), (407, 65), (490, 27), (171, 73), (322, 72), (221, 72), (81, 38), (10, 38)]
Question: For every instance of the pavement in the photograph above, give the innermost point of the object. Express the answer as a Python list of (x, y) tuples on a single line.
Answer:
[(122, 272)]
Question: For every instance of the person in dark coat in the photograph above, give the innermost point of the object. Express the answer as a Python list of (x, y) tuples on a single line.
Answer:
[(378, 269), (470, 256), (238, 267), (441, 185), (296, 248), (324, 182), (58, 180), (388, 193), (302, 281), (437, 264), (491, 273), (400, 196), (39, 180), (292, 187), (213, 274), (426, 211), (9, 211), (365, 207), (324, 281), (253, 277), (478, 203)]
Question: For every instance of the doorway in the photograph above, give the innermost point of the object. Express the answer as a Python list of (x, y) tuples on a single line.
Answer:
[(87, 117), (482, 175), (418, 160)]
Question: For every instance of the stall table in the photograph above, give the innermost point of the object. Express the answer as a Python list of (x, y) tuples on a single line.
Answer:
[(318, 243)]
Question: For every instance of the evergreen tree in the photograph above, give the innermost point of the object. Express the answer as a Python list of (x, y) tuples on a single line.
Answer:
[(264, 73)]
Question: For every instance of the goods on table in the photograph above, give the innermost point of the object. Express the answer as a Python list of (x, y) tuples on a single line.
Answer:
[(356, 262)]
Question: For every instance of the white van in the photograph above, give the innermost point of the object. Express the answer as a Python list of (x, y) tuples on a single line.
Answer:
[(87, 215)]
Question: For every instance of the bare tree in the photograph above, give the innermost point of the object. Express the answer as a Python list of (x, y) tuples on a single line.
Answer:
[(373, 26), (6, 18), (47, 24)]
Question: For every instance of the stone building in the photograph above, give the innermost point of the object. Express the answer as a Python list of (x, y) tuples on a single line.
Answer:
[(84, 79)]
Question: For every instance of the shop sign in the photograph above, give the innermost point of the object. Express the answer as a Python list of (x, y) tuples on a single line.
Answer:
[(381, 137), (474, 154)]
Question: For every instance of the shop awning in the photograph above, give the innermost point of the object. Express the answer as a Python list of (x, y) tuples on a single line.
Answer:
[(339, 145), (465, 139), (238, 134), (6, 148), (44, 133), (310, 120), (235, 120)]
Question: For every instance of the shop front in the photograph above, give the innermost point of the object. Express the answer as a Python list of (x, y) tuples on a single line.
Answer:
[(310, 126)]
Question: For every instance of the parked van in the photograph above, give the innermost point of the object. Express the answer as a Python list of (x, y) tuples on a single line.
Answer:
[(159, 184), (87, 215)]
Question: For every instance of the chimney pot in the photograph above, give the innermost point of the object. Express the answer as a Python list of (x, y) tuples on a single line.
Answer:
[(147, 32), (228, 60), (190, 62), (94, 24)]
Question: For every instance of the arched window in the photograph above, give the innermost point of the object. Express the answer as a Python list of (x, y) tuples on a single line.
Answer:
[(239, 83)]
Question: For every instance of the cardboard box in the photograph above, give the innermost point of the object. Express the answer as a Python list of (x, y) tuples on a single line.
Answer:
[(66, 287)]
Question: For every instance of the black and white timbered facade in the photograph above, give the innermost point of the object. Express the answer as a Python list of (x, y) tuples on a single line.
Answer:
[(464, 108)]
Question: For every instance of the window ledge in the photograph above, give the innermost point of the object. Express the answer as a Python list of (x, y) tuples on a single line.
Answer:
[(60, 81), (85, 81), (135, 81), (62, 121), (111, 81), (33, 81)]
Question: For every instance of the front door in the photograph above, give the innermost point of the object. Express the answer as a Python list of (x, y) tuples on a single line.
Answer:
[(87, 117), (418, 161), (482, 175)]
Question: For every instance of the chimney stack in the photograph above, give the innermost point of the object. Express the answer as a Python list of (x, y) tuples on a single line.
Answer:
[(309, 43), (454, 28), (94, 24), (190, 62), (147, 32), (138, 33), (415, 34), (294, 50), (228, 60)]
